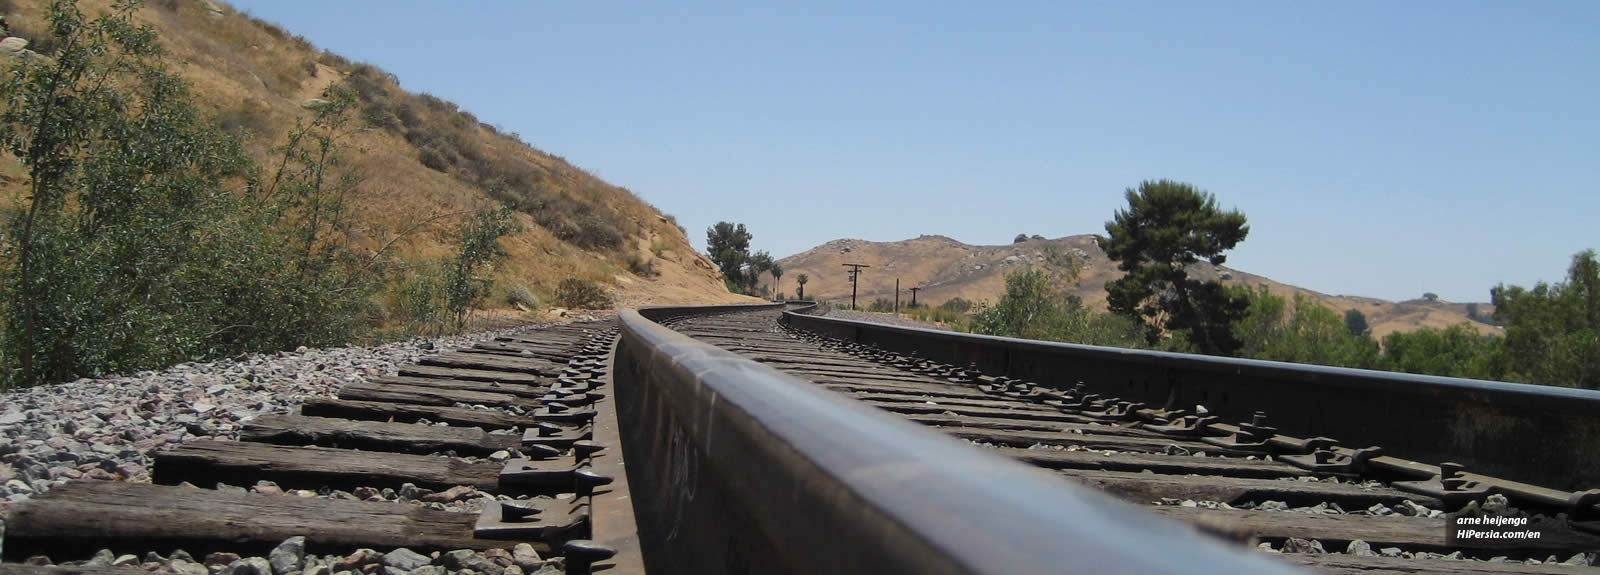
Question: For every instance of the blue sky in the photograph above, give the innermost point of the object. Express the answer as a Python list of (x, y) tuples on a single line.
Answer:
[(1378, 148)]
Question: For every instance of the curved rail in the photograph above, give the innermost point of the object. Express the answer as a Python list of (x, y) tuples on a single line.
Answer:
[(1530, 433), (739, 468)]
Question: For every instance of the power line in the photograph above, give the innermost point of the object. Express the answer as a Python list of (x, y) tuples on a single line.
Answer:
[(855, 273)]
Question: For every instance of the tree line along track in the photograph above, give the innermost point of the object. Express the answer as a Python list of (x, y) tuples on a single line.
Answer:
[(460, 458), (1244, 494)]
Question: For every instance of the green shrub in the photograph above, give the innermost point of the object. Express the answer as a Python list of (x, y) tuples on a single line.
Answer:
[(640, 266), (435, 158), (129, 195), (576, 293), (519, 295), (417, 301), (479, 249), (956, 305), (333, 60), (592, 232)]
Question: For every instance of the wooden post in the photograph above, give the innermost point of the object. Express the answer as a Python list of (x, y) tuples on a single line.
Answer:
[(855, 273)]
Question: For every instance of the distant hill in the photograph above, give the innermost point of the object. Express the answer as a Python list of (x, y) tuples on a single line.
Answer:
[(945, 268), (420, 156)]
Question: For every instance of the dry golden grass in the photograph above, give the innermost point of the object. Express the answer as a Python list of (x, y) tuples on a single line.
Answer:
[(947, 269), (255, 74)]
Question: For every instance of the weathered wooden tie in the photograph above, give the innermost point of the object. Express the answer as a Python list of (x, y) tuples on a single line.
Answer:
[(426, 395), (304, 467), (134, 518), (411, 413), (374, 435)]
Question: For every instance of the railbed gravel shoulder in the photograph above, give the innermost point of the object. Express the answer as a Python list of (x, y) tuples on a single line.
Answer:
[(106, 428), (290, 558), (890, 319)]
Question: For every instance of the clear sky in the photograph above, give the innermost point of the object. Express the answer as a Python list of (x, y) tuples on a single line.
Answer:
[(1378, 148)]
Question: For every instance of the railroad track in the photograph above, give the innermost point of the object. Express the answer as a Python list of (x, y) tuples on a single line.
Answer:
[(1234, 486), (448, 460), (752, 439)]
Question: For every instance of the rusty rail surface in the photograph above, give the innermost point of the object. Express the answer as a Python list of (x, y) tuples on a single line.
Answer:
[(738, 468), (1530, 433)]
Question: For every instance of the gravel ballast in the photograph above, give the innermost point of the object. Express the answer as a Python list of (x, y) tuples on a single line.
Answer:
[(107, 428)]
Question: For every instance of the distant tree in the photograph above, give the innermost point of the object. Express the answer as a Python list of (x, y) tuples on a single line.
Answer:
[(1263, 323), (1316, 335), (1034, 307), (777, 272), (1456, 351), (1020, 238), (1167, 226), (800, 292), (1553, 331), (1472, 311), (1027, 310), (760, 264), (1430, 296), (1306, 333), (1356, 322), (728, 244)]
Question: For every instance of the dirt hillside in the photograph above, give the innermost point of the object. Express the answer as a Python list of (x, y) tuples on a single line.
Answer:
[(420, 158), (945, 268)]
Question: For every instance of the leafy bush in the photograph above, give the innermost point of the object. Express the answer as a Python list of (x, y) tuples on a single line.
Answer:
[(881, 305), (435, 158), (480, 247), (128, 197), (333, 60), (1456, 351), (1034, 308), (592, 232), (956, 305), (579, 293), (417, 301), (640, 266), (937, 315), (519, 295)]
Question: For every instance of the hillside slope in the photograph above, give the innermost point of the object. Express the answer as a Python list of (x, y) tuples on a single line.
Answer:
[(945, 268), (422, 160)]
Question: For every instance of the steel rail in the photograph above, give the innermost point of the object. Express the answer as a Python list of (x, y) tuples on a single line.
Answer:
[(738, 468), (1538, 434)]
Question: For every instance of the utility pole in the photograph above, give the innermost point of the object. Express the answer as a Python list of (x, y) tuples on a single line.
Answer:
[(855, 276), (897, 296), (914, 296)]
